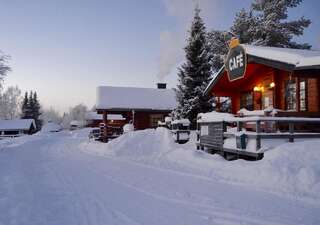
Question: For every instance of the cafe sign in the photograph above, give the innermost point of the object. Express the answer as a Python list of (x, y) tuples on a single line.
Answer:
[(236, 62)]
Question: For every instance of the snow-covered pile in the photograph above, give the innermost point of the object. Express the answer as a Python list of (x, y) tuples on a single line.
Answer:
[(128, 128), (214, 117), (291, 169), (51, 127)]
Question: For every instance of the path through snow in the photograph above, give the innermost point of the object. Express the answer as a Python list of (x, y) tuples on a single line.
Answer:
[(48, 179)]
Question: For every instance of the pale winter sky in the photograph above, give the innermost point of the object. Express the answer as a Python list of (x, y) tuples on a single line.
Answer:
[(65, 49)]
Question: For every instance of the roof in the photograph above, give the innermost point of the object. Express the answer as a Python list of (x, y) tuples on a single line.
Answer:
[(17, 124), (129, 98), (93, 116), (290, 59), (51, 127), (96, 116), (115, 117), (299, 58)]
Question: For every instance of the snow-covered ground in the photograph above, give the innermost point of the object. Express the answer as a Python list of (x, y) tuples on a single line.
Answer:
[(144, 177)]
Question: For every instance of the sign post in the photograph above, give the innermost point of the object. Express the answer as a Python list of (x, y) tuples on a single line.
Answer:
[(236, 61)]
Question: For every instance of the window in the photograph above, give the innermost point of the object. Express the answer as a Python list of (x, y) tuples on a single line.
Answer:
[(246, 101), (303, 95), (154, 118), (291, 95)]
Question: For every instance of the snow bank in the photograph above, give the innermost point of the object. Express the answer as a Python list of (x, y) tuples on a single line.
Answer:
[(51, 127), (291, 169)]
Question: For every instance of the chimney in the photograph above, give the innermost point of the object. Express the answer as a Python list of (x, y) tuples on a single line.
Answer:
[(161, 85)]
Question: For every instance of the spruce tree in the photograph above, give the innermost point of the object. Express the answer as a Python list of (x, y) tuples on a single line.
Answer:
[(218, 48), (31, 108), (266, 24), (36, 110), (194, 75), (25, 107)]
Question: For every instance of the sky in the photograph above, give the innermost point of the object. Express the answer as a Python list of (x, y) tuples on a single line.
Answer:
[(65, 49)]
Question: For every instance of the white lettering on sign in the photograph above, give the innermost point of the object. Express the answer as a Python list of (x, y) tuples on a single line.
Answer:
[(204, 130), (236, 62)]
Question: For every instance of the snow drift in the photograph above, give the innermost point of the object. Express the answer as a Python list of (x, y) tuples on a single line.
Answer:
[(291, 169)]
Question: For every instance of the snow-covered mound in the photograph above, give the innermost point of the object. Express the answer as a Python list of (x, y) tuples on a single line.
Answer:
[(51, 127), (128, 128), (291, 169)]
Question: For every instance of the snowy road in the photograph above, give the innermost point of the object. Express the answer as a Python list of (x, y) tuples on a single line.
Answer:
[(49, 180)]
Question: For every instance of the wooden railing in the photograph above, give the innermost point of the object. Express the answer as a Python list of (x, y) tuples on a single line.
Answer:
[(258, 128), (274, 128)]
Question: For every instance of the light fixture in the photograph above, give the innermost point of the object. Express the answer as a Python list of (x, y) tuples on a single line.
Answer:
[(256, 88), (272, 84)]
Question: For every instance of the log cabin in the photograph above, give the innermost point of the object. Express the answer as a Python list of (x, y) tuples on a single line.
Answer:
[(256, 78), (93, 119), (143, 107), (17, 127)]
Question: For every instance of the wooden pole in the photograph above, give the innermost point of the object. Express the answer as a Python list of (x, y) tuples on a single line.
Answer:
[(291, 131), (258, 139)]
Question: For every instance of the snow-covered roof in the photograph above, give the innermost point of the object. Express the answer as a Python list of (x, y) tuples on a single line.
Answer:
[(115, 117), (51, 127), (93, 116), (214, 117), (17, 124), (96, 116), (296, 59), (109, 97), (77, 123), (264, 112)]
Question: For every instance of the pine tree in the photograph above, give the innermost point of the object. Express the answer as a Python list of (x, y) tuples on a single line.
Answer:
[(266, 24), (194, 74), (245, 26), (35, 107), (218, 46), (25, 107), (31, 108)]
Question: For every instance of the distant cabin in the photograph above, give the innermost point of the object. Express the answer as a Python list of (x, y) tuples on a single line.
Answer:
[(258, 78), (144, 107), (17, 127), (93, 119)]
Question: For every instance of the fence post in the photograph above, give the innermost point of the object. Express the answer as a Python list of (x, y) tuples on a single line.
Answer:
[(291, 131), (239, 126), (258, 138)]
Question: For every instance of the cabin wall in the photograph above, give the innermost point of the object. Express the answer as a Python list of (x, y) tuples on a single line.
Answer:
[(313, 95), (142, 119)]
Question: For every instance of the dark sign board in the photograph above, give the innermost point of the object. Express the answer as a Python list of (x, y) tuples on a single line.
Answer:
[(236, 63)]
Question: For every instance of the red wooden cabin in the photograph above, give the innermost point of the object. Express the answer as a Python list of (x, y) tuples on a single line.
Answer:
[(285, 79), (144, 107)]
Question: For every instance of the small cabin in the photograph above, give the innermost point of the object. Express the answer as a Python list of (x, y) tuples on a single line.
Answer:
[(93, 119), (143, 107), (17, 127), (268, 77)]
